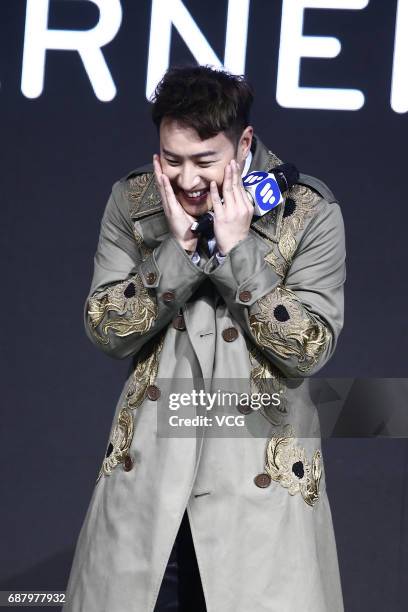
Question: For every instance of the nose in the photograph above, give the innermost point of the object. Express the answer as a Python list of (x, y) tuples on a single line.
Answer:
[(188, 178)]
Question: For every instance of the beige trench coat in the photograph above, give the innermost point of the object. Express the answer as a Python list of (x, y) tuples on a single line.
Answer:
[(257, 504)]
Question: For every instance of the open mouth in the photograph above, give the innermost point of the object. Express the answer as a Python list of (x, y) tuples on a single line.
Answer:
[(195, 197)]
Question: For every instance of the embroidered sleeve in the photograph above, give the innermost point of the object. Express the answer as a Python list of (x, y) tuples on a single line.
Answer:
[(298, 320), (281, 324), (125, 308), (289, 298)]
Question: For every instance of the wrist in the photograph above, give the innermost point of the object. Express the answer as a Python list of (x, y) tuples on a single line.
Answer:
[(224, 249), (189, 245)]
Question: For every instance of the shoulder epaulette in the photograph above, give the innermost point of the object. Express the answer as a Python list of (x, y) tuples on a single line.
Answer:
[(304, 179), (142, 192), (139, 170), (318, 185)]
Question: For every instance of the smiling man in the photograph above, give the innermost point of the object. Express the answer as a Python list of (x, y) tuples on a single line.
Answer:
[(200, 149), (191, 168), (203, 521)]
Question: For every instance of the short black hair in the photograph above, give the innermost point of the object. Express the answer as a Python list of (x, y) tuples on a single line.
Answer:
[(204, 98)]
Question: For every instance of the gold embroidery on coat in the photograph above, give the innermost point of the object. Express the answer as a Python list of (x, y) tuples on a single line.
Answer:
[(136, 185), (136, 305), (266, 378), (144, 375), (145, 251), (119, 444), (305, 201), (280, 266), (272, 161), (282, 224), (121, 437), (283, 325), (143, 193), (287, 464), (267, 224)]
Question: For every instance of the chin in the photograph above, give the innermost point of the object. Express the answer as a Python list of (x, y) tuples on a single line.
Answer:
[(196, 213), (198, 210)]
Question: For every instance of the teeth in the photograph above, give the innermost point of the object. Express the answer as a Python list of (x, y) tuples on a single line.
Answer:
[(195, 194)]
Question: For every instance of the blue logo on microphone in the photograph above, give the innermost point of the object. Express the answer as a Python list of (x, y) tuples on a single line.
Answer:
[(267, 194), (253, 178)]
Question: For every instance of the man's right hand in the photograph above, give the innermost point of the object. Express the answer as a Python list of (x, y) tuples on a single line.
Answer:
[(179, 221)]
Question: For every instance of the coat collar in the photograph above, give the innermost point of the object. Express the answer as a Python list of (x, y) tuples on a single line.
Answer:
[(262, 157)]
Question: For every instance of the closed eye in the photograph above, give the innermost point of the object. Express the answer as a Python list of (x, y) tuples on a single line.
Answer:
[(173, 162)]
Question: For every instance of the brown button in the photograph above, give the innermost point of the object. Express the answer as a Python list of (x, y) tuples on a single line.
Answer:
[(244, 408), (127, 463), (230, 334), (153, 392), (262, 480), (245, 296), (179, 323), (168, 296), (151, 277)]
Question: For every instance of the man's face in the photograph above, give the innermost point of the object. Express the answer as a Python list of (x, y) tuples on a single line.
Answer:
[(191, 163)]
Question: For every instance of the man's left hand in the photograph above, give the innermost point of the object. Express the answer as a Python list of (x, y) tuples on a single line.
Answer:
[(233, 218)]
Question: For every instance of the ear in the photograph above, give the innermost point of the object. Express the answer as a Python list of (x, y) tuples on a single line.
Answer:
[(245, 141)]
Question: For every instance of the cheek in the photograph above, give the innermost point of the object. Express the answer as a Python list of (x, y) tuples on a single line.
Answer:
[(169, 171), (217, 175)]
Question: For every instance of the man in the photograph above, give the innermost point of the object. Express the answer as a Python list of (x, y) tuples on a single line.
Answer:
[(259, 306)]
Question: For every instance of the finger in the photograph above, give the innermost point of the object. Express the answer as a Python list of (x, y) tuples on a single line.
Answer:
[(157, 165), (159, 179), (216, 200), (156, 158), (235, 175), (157, 170), (174, 206), (248, 202), (227, 187), (236, 179), (241, 198), (244, 194)]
